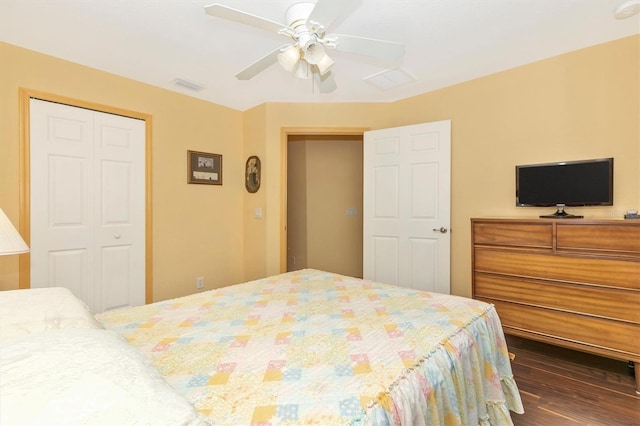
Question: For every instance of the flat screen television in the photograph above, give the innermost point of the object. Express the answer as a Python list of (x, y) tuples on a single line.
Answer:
[(567, 183)]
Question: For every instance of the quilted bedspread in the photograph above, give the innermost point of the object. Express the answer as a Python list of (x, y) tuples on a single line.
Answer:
[(311, 347)]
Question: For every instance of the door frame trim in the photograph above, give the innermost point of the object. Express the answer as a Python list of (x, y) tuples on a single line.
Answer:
[(24, 120), (285, 132)]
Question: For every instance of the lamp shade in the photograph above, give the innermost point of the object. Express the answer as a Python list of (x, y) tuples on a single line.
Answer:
[(10, 240), (313, 52), (288, 58), (324, 64)]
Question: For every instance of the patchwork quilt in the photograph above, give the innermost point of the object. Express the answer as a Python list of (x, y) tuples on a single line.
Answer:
[(311, 347)]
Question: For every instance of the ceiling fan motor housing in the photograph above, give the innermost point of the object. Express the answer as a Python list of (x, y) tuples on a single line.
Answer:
[(297, 14)]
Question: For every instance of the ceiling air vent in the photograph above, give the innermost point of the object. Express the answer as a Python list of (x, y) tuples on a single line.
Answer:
[(188, 84), (389, 79)]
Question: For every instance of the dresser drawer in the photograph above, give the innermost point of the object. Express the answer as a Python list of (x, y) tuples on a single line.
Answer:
[(573, 283), (513, 234), (590, 270), (605, 302), (619, 338), (624, 237)]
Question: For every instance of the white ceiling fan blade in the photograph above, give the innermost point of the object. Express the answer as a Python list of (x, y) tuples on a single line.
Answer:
[(259, 65), (326, 83), (231, 14), (326, 11), (382, 49)]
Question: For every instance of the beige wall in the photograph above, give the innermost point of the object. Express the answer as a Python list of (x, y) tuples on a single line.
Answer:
[(195, 227), (324, 180), (334, 184), (583, 104), (254, 230), (296, 203)]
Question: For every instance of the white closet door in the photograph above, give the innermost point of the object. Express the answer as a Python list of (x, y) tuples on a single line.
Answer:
[(87, 204), (119, 211)]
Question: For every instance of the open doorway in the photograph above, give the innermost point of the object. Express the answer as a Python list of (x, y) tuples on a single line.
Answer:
[(324, 203)]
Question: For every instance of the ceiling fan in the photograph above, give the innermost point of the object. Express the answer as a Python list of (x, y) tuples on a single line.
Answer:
[(306, 56)]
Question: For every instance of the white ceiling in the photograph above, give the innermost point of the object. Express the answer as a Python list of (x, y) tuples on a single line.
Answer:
[(447, 42)]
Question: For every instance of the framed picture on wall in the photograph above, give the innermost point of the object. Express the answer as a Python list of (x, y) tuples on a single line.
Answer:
[(252, 174), (204, 168)]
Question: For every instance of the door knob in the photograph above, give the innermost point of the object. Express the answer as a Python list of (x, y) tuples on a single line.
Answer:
[(442, 230), (117, 236)]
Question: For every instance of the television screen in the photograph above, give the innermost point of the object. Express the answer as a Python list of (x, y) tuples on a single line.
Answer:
[(571, 183)]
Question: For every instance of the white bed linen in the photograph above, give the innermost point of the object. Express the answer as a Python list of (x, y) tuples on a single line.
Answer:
[(24, 312), (84, 376)]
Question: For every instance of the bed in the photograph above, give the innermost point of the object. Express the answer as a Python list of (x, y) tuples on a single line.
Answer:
[(311, 347), (306, 347)]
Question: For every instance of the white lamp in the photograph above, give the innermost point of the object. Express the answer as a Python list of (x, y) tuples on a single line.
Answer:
[(10, 240), (313, 52), (324, 64), (288, 57)]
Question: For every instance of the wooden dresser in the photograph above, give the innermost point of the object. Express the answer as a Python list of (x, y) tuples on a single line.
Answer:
[(569, 282)]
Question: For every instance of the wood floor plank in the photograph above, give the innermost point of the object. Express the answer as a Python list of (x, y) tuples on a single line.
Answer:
[(560, 386)]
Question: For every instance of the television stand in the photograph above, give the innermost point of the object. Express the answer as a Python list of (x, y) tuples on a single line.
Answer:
[(561, 214)]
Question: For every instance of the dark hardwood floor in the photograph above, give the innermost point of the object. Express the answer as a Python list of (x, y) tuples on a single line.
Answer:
[(563, 387)]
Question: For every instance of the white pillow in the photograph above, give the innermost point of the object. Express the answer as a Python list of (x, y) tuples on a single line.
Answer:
[(88, 377), (24, 312)]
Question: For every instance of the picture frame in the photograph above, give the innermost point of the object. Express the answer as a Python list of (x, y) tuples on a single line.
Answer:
[(252, 170), (204, 168)]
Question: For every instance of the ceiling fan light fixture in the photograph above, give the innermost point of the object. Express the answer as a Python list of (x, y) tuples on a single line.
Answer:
[(303, 70), (289, 57), (306, 25), (324, 64), (313, 52)]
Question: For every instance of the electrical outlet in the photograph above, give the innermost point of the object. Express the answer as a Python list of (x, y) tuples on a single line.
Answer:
[(200, 282)]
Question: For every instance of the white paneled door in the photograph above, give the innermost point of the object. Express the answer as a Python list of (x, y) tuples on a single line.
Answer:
[(407, 206), (88, 204)]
